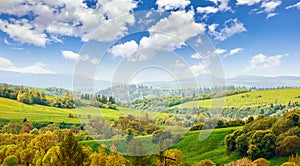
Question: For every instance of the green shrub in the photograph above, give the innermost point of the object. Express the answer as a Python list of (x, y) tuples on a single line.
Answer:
[(205, 163), (289, 145), (261, 162), (262, 144), (289, 164), (11, 161)]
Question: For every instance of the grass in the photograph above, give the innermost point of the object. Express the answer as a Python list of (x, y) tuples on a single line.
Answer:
[(212, 148), (249, 99), (13, 110), (194, 151), (122, 146)]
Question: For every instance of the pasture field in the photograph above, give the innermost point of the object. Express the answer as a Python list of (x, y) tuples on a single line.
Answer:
[(13, 110), (194, 151), (250, 99)]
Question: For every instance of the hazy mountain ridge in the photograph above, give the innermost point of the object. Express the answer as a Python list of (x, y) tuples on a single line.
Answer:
[(66, 81)]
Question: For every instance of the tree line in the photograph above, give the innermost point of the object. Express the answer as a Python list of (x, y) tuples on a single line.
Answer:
[(267, 136), (36, 96)]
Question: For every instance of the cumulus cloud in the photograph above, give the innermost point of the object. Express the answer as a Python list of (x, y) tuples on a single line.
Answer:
[(24, 32), (207, 9), (126, 50), (49, 20), (231, 27), (37, 68), (74, 56), (233, 52), (263, 62), (199, 68), (172, 4), (198, 55), (70, 55), (270, 6), (247, 2), (297, 5), (166, 34), (205, 57), (220, 5)]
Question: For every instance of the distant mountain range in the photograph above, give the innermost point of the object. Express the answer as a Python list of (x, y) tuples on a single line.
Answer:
[(66, 81)]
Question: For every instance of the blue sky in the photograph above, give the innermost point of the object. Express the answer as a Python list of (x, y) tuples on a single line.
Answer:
[(250, 37)]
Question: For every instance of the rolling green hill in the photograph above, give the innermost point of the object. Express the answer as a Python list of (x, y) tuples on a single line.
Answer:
[(251, 99), (194, 151), (13, 110)]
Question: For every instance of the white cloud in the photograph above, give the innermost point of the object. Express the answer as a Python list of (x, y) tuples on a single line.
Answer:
[(167, 34), (207, 9), (23, 32), (221, 5), (270, 6), (37, 68), (70, 55), (7, 42), (233, 52), (94, 61), (262, 62), (297, 5), (247, 2), (271, 15), (52, 19), (231, 27), (209, 54), (126, 50), (172, 4), (14, 7), (197, 55), (199, 68), (219, 51), (212, 27), (74, 56)]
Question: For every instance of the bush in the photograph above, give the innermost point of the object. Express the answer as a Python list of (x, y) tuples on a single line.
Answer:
[(159, 135), (286, 122), (205, 163), (261, 162), (197, 127), (70, 115), (230, 140), (289, 145), (242, 144), (240, 162), (262, 144), (11, 161), (289, 164)]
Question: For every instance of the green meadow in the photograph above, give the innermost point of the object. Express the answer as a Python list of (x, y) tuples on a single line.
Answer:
[(250, 99)]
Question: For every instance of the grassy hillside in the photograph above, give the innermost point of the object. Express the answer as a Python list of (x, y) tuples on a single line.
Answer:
[(251, 99), (212, 148), (194, 151), (13, 110)]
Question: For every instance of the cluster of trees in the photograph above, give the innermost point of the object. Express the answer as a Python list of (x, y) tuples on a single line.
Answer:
[(99, 101), (212, 123), (36, 96), (267, 136), (54, 146), (51, 149), (129, 93), (267, 110), (136, 125), (164, 104)]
